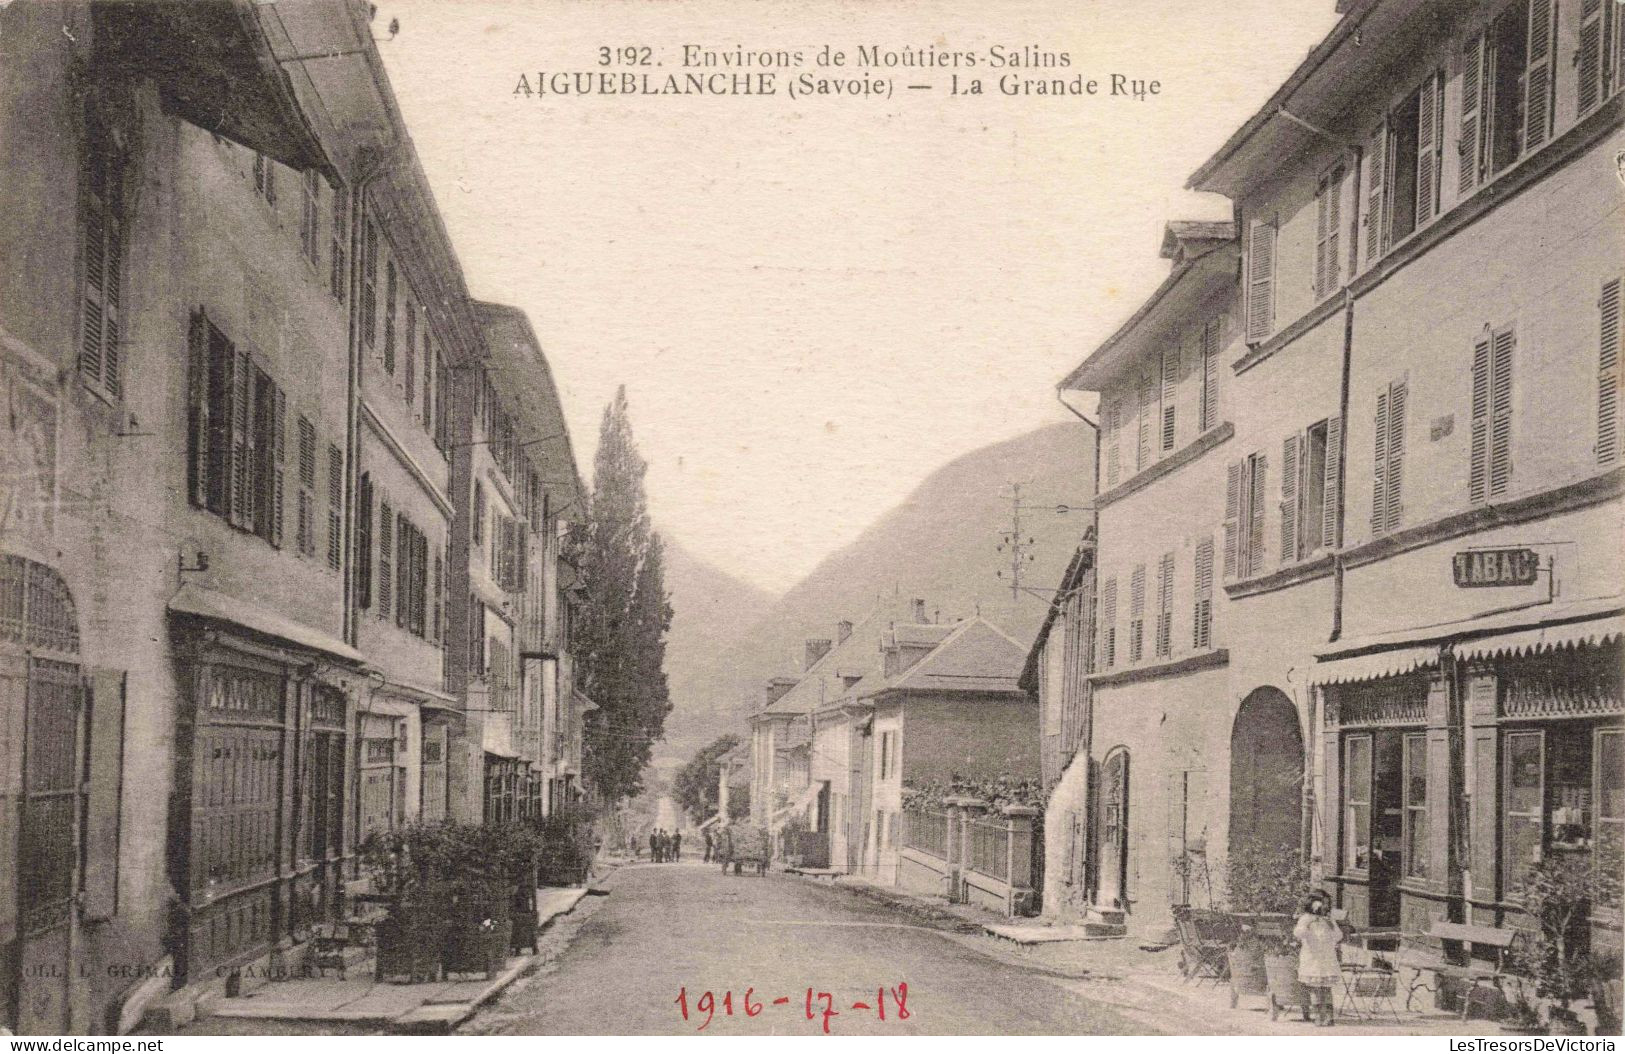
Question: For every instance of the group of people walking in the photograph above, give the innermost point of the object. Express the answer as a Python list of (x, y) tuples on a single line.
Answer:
[(665, 846)]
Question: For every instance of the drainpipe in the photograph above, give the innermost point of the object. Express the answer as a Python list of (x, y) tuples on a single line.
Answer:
[(352, 424), (1343, 403)]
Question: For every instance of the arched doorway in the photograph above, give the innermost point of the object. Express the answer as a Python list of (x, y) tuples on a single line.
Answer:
[(1266, 772), (1112, 877), (41, 699)]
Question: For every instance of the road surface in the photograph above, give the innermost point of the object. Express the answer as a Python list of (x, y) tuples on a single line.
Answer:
[(669, 934)]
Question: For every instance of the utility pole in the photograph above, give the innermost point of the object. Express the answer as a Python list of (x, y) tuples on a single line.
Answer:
[(1019, 546)]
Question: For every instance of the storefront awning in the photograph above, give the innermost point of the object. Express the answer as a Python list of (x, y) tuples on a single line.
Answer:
[(1539, 639), (803, 802), (195, 600), (1378, 664)]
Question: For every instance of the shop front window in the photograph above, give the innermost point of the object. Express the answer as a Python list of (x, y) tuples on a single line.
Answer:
[(1416, 813), (1564, 797), (1524, 800), (1357, 803), (1610, 845)]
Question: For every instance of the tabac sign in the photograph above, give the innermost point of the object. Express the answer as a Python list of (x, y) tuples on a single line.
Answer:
[(1478, 568)]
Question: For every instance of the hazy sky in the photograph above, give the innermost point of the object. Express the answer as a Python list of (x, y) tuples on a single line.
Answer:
[(815, 303)]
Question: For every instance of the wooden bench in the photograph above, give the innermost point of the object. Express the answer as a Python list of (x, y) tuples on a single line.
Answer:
[(1420, 957)]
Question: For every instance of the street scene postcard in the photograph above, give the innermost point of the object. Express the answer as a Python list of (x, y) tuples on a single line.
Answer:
[(812, 519)]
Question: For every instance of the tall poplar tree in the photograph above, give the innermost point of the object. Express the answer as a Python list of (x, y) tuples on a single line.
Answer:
[(624, 615)]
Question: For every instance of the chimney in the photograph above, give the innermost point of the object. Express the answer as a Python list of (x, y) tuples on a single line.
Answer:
[(919, 611), (816, 649), (843, 630)]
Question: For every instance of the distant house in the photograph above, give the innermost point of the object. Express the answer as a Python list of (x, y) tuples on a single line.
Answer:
[(943, 703)]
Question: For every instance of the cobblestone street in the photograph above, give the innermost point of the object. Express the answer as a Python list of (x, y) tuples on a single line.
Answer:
[(686, 928)]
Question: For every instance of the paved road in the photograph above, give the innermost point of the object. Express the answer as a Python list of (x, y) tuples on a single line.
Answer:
[(667, 929)]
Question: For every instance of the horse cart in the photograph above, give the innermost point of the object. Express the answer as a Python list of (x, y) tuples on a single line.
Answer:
[(744, 844)]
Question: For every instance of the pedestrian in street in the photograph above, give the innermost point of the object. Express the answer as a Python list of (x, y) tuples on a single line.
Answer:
[(677, 846), (1318, 969), (654, 845), (707, 833)]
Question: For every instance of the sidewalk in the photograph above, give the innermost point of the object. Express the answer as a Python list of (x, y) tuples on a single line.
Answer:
[(1145, 985), (433, 1008)]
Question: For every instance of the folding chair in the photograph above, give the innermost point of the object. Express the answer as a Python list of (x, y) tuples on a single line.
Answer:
[(1369, 982)]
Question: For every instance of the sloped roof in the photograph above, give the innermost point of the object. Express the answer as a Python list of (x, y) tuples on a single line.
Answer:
[(858, 654), (976, 656)]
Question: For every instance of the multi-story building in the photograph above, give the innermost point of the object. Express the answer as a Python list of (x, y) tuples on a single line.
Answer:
[(226, 499), (1158, 655), (1438, 268), (1403, 642), (513, 477)]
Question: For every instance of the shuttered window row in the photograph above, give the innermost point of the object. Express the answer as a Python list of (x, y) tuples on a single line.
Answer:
[(1388, 471), (1489, 470)]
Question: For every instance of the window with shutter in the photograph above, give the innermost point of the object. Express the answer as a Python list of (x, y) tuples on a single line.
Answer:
[(1469, 143), (1202, 574), (1108, 618), (409, 367), (1429, 146), (1608, 373), (442, 407), (386, 559), (1232, 520), (309, 232), (1538, 75), (1170, 393), (1113, 428), (1211, 333), (1501, 102), (437, 599), (242, 442), (369, 282), (101, 229), (403, 571), (1145, 453), (1260, 280), (335, 507), (1489, 471), (1165, 606), (1136, 614), (1257, 472), (269, 412), (1589, 60), (1389, 459), (197, 409), (479, 513), (1311, 473), (338, 277), (1379, 461), (1291, 450), (389, 317), (363, 542), (1328, 231), (428, 379), (1332, 488), (1377, 171)]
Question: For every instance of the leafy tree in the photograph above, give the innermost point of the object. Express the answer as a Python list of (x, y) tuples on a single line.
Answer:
[(695, 788), (624, 615), (738, 803)]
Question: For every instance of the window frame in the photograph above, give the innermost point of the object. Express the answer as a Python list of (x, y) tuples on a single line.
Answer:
[(1354, 834), (1417, 860)]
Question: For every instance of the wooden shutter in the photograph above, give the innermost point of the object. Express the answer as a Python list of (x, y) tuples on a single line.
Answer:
[(1376, 220), (436, 585), (369, 282), (1260, 280), (1170, 393), (1210, 374), (1202, 618), (1255, 518), (363, 541), (1379, 478), (1590, 58), (1334, 229), (1395, 473), (403, 570), (102, 233), (1165, 604), (1501, 351), (409, 370), (1333, 482), (242, 427), (105, 782), (1429, 140), (1537, 110), (197, 409), (479, 513), (1108, 618), (1608, 374), (335, 506), (386, 555), (1469, 147), (1148, 408), (1232, 520), (389, 317), (279, 418), (1291, 453), (338, 277), (1114, 431), (1478, 464)]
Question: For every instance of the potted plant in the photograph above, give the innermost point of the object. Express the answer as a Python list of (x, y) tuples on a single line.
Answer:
[(1264, 883), (1556, 894)]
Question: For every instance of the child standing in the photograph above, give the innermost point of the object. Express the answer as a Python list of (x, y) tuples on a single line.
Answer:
[(1318, 937)]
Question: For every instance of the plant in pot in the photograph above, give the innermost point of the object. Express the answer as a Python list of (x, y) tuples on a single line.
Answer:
[(478, 895), (1556, 894), (406, 865), (1263, 883)]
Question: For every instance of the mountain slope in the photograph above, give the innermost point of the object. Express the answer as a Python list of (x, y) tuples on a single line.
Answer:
[(940, 545), (711, 610)]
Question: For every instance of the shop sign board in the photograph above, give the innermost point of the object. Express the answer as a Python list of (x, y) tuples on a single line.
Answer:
[(1478, 568)]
